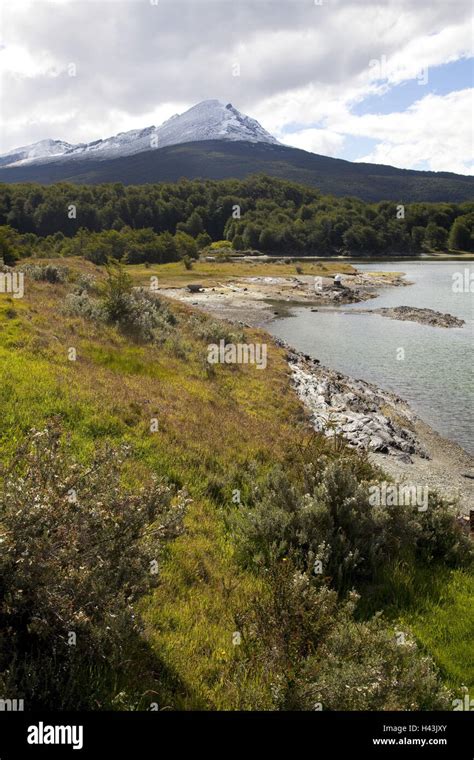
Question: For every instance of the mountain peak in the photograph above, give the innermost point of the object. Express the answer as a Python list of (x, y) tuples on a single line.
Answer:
[(207, 120), (211, 120)]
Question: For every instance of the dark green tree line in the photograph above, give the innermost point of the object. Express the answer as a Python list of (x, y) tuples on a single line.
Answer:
[(165, 222)]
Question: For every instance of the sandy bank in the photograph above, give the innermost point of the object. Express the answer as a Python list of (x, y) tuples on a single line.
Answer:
[(256, 300)]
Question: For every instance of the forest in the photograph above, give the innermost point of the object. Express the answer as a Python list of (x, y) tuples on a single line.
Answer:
[(167, 222)]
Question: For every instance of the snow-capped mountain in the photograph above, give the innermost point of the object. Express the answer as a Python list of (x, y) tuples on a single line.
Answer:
[(211, 120), (35, 152), (208, 120), (123, 144)]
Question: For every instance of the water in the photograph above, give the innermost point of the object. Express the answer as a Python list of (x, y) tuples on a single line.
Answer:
[(430, 367)]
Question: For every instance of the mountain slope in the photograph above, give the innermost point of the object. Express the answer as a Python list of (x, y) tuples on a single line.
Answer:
[(222, 159), (41, 150), (208, 120), (215, 141), (211, 120)]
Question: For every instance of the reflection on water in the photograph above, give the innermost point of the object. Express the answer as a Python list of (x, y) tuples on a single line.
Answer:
[(436, 374)]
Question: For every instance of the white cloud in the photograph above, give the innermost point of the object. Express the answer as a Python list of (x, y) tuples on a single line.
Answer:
[(436, 130), (303, 68), (315, 140)]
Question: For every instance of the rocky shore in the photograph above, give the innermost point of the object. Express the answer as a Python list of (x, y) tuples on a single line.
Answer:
[(256, 300), (384, 426), (368, 418), (413, 314)]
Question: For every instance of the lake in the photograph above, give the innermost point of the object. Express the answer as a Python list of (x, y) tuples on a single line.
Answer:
[(430, 367)]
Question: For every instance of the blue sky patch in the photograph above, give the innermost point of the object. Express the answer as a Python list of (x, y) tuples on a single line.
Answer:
[(442, 80)]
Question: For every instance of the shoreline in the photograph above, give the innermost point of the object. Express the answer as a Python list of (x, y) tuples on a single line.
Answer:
[(399, 442), (255, 301), (383, 425), (415, 314)]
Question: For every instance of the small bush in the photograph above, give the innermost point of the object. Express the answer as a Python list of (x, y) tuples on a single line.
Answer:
[(363, 666), (220, 244), (145, 317), (213, 332), (116, 292), (75, 554), (80, 304), (86, 283), (177, 346), (203, 240), (334, 523), (139, 313), (47, 273), (314, 655)]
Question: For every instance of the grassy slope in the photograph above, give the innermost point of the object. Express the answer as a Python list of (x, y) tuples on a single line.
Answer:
[(211, 429)]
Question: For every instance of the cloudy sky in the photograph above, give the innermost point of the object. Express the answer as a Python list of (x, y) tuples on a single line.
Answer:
[(387, 81)]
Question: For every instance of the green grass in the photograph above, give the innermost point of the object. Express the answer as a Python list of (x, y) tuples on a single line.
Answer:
[(436, 605), (211, 431), (442, 620), (212, 272)]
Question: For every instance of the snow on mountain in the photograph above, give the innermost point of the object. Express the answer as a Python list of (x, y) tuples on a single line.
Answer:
[(208, 120), (123, 144), (35, 151), (211, 120)]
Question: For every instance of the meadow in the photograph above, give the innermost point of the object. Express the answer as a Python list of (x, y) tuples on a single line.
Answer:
[(216, 433)]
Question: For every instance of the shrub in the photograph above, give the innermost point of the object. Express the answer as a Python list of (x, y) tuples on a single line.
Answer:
[(177, 346), (238, 243), (80, 304), (364, 666), (213, 332), (75, 555), (221, 244), (203, 240), (314, 655), (332, 521), (439, 536), (47, 273), (138, 313), (9, 240), (86, 283), (145, 317), (117, 290)]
